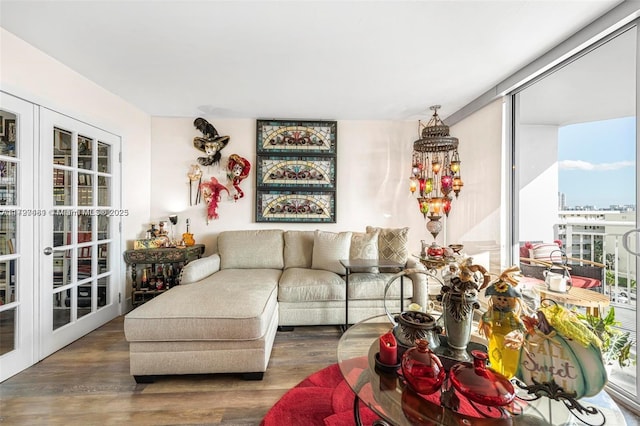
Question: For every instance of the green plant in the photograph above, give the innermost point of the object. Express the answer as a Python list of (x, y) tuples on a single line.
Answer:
[(616, 344)]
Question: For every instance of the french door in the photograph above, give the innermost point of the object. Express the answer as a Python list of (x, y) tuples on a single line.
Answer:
[(18, 348), (59, 231), (79, 234)]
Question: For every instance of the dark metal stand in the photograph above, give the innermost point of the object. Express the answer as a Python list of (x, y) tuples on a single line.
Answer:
[(586, 414), (356, 415)]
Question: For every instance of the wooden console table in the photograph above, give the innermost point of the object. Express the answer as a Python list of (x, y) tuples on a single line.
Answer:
[(167, 260)]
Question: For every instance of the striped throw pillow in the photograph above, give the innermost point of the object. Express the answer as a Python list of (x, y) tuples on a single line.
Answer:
[(547, 252)]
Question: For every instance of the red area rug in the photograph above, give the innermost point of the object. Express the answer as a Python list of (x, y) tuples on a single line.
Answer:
[(323, 398)]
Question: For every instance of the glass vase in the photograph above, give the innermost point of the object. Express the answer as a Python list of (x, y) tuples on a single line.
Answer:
[(422, 369), (481, 384)]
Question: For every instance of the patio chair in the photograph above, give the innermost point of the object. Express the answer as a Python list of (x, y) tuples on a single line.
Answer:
[(583, 273)]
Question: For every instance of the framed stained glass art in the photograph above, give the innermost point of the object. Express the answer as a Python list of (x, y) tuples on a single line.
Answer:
[(296, 171), (285, 136), (296, 206)]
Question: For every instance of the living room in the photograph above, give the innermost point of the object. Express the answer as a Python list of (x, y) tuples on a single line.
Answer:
[(373, 160)]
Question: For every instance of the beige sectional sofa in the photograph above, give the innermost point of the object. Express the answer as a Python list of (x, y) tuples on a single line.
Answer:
[(224, 316)]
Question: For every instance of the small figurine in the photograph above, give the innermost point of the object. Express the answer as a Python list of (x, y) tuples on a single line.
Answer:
[(162, 230), (153, 231), (501, 324), (187, 237)]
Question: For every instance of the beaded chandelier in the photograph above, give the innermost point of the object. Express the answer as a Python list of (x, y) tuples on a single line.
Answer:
[(435, 170)]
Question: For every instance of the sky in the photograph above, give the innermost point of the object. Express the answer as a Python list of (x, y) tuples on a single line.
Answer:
[(597, 163)]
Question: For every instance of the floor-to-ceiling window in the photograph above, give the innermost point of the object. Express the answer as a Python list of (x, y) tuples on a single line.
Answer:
[(576, 175)]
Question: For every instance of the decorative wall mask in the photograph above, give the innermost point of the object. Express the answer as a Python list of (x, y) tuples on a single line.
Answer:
[(239, 168), (195, 175), (211, 144), (211, 192)]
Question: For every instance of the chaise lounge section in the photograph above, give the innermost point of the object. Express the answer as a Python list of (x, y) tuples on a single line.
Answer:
[(224, 316)]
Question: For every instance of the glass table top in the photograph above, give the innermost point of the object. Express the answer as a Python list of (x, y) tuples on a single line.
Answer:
[(388, 396)]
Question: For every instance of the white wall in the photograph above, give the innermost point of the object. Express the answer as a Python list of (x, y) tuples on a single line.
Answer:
[(475, 216), (538, 175), (28, 73), (372, 178), (373, 160)]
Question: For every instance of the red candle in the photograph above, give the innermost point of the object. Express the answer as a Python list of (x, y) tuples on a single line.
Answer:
[(388, 349)]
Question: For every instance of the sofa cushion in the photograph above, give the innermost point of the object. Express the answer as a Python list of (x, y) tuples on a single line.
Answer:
[(251, 249), (308, 285), (328, 249), (392, 244), (364, 246), (199, 269), (233, 304), (585, 282), (366, 286), (298, 249)]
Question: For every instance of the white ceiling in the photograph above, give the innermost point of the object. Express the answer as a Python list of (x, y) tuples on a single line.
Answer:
[(297, 59)]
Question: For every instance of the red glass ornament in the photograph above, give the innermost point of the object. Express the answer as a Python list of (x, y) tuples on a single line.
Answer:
[(446, 206), (446, 183), (422, 368), (435, 250), (481, 384)]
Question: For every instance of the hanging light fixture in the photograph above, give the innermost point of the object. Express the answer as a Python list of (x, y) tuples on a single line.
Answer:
[(435, 170)]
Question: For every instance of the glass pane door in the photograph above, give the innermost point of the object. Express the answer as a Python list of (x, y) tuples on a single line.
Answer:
[(79, 261), (577, 177), (17, 218)]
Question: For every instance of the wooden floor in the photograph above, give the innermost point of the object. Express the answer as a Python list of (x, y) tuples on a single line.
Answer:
[(88, 383)]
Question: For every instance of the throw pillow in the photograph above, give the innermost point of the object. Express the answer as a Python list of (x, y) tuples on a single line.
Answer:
[(364, 246), (298, 249), (392, 243), (547, 252), (328, 249)]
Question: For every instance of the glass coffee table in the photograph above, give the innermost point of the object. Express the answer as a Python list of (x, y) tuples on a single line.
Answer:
[(386, 394)]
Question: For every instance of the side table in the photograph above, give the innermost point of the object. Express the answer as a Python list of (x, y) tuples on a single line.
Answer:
[(591, 300), (169, 260), (350, 264)]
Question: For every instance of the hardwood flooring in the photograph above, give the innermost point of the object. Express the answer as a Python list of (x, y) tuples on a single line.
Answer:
[(88, 383)]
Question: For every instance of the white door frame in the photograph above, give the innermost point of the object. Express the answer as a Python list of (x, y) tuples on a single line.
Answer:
[(51, 340), (25, 300)]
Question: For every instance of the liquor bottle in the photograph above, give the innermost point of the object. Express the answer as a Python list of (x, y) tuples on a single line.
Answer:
[(159, 278), (144, 283), (170, 282)]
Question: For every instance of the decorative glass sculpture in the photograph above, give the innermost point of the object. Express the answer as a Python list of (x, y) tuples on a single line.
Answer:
[(479, 383), (422, 368)]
